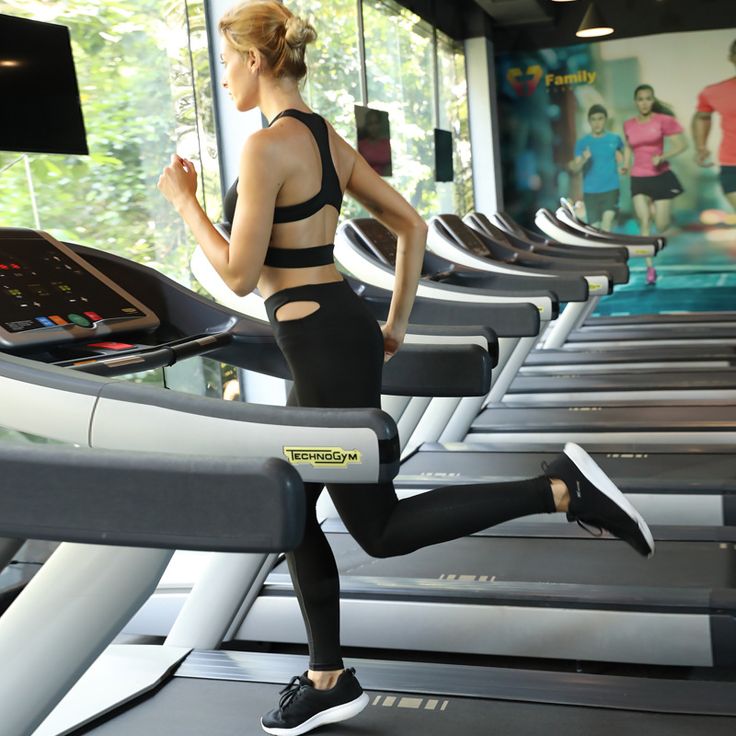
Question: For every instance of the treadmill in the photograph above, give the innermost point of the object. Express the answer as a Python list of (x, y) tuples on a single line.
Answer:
[(171, 418), (683, 464), (530, 404), (458, 242), (169, 689)]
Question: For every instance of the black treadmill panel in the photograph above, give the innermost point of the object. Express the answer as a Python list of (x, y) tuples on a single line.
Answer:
[(48, 293)]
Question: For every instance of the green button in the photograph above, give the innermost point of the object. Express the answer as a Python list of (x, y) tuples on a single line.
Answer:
[(79, 320)]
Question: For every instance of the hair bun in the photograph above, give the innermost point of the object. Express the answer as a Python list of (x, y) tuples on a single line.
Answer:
[(298, 32)]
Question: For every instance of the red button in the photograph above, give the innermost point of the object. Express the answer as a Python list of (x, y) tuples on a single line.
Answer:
[(93, 316), (110, 345)]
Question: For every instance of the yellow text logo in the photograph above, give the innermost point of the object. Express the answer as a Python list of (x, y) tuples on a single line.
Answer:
[(570, 80), (322, 457)]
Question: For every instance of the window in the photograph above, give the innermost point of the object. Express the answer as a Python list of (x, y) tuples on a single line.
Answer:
[(455, 196), (143, 73), (399, 55), (400, 72), (332, 86)]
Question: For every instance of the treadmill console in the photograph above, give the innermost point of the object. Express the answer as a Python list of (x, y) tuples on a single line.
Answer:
[(377, 239), (50, 295)]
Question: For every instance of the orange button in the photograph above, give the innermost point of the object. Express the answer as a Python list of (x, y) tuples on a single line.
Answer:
[(58, 320)]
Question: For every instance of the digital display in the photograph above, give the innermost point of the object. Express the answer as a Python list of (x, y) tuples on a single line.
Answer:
[(38, 86), (42, 287)]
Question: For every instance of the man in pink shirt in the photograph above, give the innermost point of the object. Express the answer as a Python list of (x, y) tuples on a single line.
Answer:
[(720, 98)]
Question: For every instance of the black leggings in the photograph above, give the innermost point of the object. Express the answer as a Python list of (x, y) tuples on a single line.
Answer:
[(336, 357)]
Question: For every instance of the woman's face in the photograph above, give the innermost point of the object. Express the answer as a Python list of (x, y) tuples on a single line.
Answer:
[(644, 100), (238, 77)]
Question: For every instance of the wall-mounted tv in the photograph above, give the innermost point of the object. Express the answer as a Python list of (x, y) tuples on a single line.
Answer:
[(41, 111)]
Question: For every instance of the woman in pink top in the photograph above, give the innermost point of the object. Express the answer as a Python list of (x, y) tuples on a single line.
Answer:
[(653, 183)]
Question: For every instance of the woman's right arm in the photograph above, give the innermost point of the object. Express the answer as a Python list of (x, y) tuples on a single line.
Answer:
[(390, 208)]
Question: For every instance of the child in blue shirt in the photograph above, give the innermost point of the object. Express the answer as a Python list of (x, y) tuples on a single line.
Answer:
[(599, 155)]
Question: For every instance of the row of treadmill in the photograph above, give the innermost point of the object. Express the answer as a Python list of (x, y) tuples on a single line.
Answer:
[(168, 607)]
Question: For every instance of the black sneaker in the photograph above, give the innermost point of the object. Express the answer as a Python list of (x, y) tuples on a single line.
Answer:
[(302, 707), (595, 501)]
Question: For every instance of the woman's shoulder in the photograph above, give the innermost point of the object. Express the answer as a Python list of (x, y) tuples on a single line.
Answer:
[(344, 151)]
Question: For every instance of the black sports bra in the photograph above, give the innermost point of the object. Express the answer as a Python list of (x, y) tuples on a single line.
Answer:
[(329, 193)]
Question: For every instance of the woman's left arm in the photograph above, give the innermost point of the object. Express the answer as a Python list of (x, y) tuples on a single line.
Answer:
[(238, 262)]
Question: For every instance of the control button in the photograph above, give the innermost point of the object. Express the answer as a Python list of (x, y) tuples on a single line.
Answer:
[(93, 316), (57, 320), (45, 321), (110, 345), (79, 320)]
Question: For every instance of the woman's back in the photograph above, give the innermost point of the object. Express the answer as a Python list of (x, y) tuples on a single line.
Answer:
[(316, 164)]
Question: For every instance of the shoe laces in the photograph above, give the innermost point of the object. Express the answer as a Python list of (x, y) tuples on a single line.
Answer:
[(291, 691)]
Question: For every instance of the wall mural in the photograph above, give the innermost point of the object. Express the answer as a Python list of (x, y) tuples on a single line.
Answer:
[(640, 133)]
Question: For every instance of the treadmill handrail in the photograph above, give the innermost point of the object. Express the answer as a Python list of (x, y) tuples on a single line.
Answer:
[(153, 500), (355, 260), (445, 237)]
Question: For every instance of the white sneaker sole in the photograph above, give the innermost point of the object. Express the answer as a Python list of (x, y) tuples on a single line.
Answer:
[(331, 715), (600, 480)]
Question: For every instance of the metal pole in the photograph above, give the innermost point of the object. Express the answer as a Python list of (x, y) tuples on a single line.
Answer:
[(361, 56)]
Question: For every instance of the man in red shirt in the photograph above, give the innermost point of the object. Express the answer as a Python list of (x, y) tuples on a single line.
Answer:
[(720, 98)]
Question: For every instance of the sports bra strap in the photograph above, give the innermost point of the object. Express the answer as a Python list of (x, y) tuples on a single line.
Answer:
[(329, 192), (319, 255)]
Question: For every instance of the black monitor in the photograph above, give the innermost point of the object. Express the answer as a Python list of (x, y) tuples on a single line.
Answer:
[(41, 110)]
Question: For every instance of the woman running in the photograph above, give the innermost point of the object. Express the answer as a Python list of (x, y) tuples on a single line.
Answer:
[(284, 210), (653, 183)]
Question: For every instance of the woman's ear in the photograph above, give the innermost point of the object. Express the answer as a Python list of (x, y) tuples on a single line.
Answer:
[(254, 60)]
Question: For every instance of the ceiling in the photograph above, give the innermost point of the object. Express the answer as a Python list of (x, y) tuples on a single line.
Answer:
[(628, 18), (517, 24)]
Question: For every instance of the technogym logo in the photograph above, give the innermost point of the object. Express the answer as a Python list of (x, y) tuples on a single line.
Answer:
[(525, 81), (322, 457)]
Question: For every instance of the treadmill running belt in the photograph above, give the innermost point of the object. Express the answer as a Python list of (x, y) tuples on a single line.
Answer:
[(187, 707), (584, 561)]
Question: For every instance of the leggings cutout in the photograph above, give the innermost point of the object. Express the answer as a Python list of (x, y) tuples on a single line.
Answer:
[(292, 311)]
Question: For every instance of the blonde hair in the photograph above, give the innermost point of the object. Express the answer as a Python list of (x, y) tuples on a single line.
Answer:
[(274, 30)]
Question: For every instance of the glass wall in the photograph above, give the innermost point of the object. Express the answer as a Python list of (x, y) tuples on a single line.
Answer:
[(400, 70), (143, 73), (455, 196), (400, 79)]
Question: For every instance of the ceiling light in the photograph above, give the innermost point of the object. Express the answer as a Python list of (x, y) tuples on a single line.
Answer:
[(593, 24)]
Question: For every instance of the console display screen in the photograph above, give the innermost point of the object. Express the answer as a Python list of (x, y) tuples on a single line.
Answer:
[(41, 287)]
